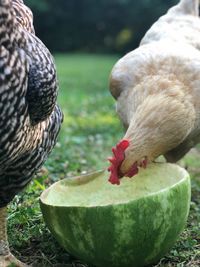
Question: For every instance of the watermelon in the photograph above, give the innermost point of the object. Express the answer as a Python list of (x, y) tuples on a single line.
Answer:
[(130, 225)]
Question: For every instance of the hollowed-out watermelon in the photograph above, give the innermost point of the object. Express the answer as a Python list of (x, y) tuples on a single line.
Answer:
[(130, 225)]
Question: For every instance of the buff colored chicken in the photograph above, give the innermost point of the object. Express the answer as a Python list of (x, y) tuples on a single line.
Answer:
[(157, 88), (29, 117)]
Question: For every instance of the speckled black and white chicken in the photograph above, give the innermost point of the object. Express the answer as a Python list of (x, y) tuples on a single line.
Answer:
[(29, 117)]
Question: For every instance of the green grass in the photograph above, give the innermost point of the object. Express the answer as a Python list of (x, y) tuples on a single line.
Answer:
[(90, 129)]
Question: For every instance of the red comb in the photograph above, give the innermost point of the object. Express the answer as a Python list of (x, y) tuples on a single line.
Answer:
[(116, 161)]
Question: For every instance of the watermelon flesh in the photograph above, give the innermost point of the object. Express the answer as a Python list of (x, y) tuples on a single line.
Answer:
[(130, 225)]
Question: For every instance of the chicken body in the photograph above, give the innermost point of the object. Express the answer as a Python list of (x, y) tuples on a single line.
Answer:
[(157, 88), (29, 117)]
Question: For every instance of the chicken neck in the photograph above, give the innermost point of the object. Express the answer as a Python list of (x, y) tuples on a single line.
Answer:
[(161, 122)]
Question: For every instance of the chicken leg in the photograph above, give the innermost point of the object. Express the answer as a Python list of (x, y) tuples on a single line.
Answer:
[(6, 258)]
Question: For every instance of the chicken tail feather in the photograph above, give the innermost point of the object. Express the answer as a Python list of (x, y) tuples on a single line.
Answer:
[(190, 7)]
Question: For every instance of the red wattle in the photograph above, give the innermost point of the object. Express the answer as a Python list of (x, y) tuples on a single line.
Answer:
[(116, 161), (133, 171)]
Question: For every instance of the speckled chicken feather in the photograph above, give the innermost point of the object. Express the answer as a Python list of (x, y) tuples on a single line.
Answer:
[(29, 117)]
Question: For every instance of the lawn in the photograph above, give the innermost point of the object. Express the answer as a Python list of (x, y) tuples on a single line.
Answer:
[(90, 129)]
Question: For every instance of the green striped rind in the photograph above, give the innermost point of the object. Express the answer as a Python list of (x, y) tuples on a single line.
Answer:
[(133, 234)]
